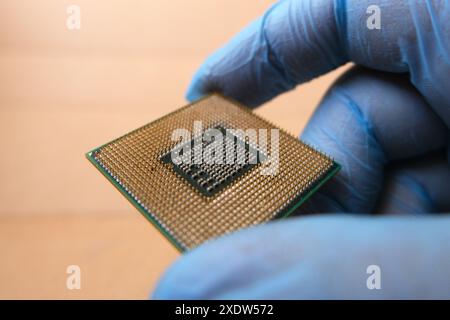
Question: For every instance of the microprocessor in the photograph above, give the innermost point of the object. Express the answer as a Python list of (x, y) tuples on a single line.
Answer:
[(211, 168)]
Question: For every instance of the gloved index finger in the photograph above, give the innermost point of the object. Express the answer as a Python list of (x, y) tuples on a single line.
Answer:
[(297, 40), (293, 42)]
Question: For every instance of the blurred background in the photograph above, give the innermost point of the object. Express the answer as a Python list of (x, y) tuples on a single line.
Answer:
[(64, 92)]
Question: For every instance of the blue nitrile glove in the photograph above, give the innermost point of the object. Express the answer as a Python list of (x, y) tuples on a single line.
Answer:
[(388, 126)]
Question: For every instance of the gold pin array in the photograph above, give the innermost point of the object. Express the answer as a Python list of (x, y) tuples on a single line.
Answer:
[(185, 214)]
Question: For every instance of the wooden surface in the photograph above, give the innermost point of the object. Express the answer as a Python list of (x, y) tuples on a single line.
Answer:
[(63, 93), (120, 256)]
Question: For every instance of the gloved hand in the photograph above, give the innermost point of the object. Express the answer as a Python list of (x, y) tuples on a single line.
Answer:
[(388, 126)]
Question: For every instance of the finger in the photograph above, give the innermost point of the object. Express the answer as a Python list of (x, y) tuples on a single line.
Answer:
[(293, 42), (416, 186), (297, 40), (317, 258), (367, 120)]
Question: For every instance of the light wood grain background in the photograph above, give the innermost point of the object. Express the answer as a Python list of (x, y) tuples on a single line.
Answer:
[(65, 92)]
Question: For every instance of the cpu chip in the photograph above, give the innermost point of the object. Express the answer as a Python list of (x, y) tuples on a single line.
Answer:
[(234, 171)]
